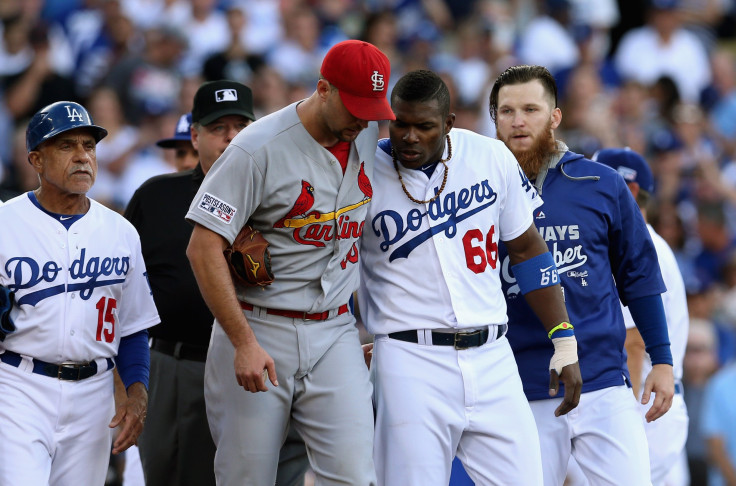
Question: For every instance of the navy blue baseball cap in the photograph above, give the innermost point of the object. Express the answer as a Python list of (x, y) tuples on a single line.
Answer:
[(57, 118), (631, 166), (182, 133)]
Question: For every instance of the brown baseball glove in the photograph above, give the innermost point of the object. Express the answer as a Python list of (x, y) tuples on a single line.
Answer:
[(249, 259)]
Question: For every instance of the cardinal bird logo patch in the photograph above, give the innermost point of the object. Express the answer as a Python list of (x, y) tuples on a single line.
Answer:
[(364, 183), (303, 203), (316, 228)]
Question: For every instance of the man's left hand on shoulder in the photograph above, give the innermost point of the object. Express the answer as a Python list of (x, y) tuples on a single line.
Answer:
[(130, 414), (661, 382)]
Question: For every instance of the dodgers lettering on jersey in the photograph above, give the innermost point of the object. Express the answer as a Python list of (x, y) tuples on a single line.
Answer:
[(455, 237), (600, 244), (77, 290), (25, 273), (447, 211)]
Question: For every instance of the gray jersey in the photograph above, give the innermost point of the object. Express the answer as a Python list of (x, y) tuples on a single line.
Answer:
[(276, 177)]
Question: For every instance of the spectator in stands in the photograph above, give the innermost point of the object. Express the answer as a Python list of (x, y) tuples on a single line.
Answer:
[(700, 362), (663, 46), (718, 426), (149, 83)]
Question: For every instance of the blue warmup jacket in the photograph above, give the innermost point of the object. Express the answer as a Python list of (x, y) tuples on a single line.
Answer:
[(602, 249)]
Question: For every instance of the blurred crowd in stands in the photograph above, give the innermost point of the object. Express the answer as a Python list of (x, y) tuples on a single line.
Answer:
[(658, 76)]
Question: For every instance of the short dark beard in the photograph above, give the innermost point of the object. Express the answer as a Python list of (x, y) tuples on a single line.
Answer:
[(533, 159)]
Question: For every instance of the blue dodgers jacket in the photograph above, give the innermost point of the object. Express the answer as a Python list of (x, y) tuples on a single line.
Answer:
[(603, 251)]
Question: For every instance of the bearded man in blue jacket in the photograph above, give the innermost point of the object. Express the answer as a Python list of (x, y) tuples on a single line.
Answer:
[(603, 252)]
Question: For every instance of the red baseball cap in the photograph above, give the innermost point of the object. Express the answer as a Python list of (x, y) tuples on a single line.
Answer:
[(360, 72)]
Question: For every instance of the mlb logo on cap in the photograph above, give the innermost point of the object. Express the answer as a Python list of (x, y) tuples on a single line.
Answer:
[(226, 95), (215, 99)]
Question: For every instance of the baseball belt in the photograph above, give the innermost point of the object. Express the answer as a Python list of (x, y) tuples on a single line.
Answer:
[(317, 316), (65, 372), (459, 340), (180, 350)]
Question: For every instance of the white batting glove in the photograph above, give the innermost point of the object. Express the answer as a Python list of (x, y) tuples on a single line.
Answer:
[(566, 353)]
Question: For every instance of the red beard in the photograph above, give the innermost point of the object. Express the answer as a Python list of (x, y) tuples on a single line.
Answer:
[(536, 156)]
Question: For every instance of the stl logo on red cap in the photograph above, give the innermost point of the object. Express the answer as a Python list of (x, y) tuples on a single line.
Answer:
[(377, 80), (361, 73)]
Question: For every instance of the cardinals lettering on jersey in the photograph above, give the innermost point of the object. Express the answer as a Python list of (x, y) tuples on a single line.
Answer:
[(315, 228)]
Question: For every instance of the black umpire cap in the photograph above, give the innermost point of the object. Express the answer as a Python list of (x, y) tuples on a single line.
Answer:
[(216, 99)]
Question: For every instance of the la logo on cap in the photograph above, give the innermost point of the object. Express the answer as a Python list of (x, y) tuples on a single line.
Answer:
[(183, 125), (377, 80), (73, 114), (226, 95)]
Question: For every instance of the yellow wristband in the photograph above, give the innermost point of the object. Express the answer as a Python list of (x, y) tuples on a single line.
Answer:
[(562, 325)]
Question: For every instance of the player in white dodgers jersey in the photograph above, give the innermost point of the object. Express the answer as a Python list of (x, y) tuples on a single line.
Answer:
[(82, 305), (603, 253), (667, 435), (445, 379), (301, 176)]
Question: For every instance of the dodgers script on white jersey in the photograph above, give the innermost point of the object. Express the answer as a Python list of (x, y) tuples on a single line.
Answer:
[(77, 291), (487, 199)]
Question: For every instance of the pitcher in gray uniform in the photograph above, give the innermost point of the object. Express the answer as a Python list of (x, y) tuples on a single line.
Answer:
[(302, 177)]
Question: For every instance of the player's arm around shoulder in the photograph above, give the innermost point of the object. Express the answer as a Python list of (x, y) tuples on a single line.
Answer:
[(205, 253), (536, 274)]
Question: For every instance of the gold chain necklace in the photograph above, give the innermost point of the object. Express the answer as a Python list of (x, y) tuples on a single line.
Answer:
[(444, 179)]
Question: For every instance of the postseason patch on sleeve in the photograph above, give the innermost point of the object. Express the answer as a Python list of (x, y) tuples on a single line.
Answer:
[(217, 208)]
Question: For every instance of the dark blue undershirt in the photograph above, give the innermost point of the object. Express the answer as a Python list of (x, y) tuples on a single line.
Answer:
[(650, 320), (66, 219), (134, 359), (428, 169)]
